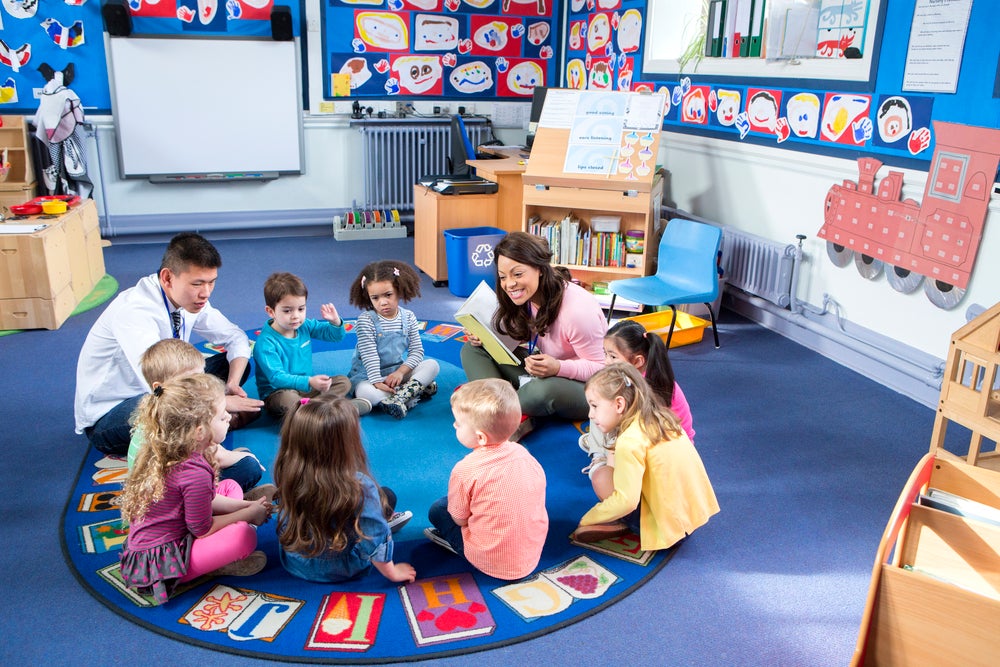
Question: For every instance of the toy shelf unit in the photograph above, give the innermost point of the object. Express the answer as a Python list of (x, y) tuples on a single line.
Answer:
[(591, 185), (934, 596), (588, 229), (17, 175)]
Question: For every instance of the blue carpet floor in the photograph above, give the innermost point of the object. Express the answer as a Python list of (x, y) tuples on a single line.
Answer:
[(450, 610)]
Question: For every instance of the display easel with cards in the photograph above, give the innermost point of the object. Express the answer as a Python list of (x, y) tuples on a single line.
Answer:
[(935, 589), (570, 179)]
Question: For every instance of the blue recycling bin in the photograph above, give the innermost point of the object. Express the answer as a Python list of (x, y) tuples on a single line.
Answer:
[(469, 252)]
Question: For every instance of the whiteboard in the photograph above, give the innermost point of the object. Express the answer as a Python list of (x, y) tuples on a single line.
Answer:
[(201, 106)]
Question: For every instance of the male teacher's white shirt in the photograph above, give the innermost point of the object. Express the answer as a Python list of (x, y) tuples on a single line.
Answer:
[(108, 370)]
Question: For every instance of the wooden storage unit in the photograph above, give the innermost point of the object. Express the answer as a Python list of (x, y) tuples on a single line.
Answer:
[(934, 597), (630, 186), (19, 185), (638, 211), (46, 273), (433, 213)]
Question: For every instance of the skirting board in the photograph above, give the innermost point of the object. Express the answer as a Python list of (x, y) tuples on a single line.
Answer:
[(902, 368)]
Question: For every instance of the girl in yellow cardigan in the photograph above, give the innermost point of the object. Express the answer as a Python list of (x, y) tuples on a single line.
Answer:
[(661, 490)]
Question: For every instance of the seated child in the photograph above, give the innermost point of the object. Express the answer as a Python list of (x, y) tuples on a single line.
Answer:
[(494, 514), (283, 351), (173, 358), (660, 488), (334, 522), (181, 524)]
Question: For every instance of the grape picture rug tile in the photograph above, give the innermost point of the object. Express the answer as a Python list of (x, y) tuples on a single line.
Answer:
[(450, 609)]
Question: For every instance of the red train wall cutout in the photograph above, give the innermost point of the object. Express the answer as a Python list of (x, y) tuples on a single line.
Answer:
[(933, 242)]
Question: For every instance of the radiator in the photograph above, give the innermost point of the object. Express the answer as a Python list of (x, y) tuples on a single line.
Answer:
[(759, 266), (395, 156)]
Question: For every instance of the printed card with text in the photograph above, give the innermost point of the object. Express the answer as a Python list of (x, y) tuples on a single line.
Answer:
[(446, 609), (553, 590), (346, 622), (241, 613)]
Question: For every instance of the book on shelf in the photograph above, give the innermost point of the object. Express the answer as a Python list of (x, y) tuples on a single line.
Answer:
[(964, 507), (476, 315), (572, 242)]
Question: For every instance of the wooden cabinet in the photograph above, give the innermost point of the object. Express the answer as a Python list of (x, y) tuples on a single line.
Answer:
[(19, 184), (48, 271), (638, 210), (433, 213)]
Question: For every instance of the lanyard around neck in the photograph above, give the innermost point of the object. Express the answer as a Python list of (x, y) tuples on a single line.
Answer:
[(166, 304)]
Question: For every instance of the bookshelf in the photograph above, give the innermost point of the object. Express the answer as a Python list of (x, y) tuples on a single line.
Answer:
[(569, 182), (934, 596)]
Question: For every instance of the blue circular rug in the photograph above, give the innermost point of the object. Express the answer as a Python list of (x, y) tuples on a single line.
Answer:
[(451, 608)]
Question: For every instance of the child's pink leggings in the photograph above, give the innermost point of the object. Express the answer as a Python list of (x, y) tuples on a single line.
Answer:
[(229, 544)]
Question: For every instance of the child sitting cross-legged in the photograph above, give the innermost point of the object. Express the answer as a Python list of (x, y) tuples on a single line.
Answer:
[(283, 351), (659, 489), (181, 525), (173, 358), (494, 514), (335, 522)]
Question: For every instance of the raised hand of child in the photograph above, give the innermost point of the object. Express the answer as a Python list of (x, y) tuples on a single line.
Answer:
[(320, 382), (329, 313)]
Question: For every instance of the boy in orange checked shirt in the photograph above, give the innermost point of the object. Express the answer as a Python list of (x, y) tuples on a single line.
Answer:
[(494, 514)]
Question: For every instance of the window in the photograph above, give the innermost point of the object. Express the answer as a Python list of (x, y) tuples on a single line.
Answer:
[(676, 33)]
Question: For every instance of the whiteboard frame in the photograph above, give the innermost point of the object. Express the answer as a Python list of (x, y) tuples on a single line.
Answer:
[(261, 74)]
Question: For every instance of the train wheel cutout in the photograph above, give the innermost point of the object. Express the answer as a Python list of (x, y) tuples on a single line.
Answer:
[(942, 294), (838, 254), (903, 280), (869, 267)]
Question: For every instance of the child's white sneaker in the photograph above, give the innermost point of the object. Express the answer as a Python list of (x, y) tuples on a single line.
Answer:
[(399, 519)]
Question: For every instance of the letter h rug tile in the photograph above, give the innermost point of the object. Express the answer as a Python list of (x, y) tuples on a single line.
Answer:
[(450, 609)]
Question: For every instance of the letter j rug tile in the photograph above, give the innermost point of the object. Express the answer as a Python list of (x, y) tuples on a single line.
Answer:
[(450, 609)]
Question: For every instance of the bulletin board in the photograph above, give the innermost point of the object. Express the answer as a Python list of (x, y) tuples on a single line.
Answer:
[(59, 33), (448, 49), (829, 117)]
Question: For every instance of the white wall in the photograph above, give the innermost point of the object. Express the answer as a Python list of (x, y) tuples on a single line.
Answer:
[(778, 193)]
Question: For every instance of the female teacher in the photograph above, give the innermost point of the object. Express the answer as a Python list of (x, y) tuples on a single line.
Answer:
[(561, 323)]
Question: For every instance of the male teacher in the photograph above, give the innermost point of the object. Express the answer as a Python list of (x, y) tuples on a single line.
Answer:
[(170, 304)]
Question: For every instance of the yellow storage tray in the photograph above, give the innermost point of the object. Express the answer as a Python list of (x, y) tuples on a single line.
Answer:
[(688, 328)]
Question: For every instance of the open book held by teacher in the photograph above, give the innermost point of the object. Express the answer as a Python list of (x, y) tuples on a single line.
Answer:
[(476, 315)]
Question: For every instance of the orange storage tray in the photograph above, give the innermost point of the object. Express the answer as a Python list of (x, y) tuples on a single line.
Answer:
[(687, 330)]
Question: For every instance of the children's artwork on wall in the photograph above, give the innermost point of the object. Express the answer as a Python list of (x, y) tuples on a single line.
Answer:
[(762, 109), (933, 242), (845, 119), (456, 48), (607, 37)]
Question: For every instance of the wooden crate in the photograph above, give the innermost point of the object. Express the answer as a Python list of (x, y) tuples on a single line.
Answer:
[(35, 266)]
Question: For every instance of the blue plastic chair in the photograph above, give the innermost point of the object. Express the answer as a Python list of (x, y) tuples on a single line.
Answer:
[(686, 272)]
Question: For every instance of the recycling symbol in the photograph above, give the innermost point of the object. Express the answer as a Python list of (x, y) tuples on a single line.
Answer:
[(483, 255)]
